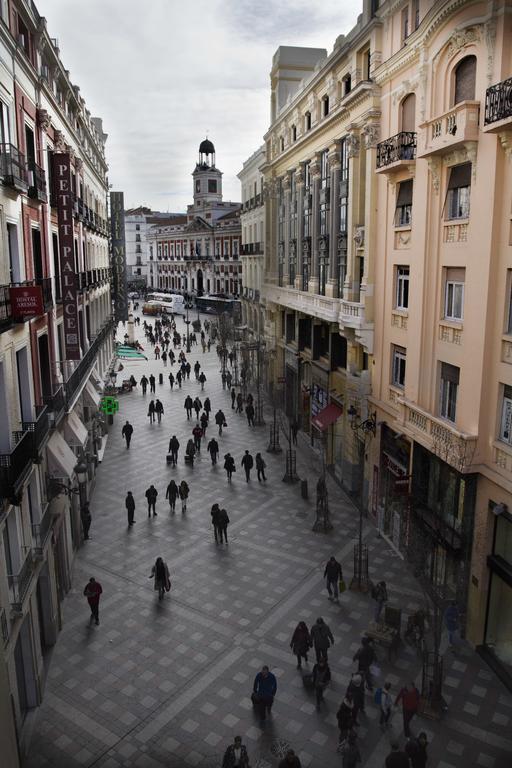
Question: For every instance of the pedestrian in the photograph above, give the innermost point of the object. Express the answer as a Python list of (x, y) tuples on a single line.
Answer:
[(160, 573), (144, 384), (322, 638), (92, 592), (197, 368), (207, 407), (159, 410), (157, 352), (290, 760), (236, 755), (229, 379), (152, 382), (247, 463), (396, 758), (365, 657), (188, 405), (239, 403), (356, 689), (174, 447), (215, 513), (151, 495), (187, 370), (133, 380), (223, 379), (264, 691), (190, 453), (229, 466), (410, 698), (151, 412), (249, 399), (197, 406), (213, 450), (129, 503), (321, 678), (184, 491), (452, 623), (301, 643), (380, 595), (220, 420), (223, 522), (171, 380), (260, 468), (209, 344), (294, 427), (85, 516), (127, 432), (249, 412), (333, 574), (416, 750), (164, 358), (386, 704), (233, 398), (179, 378), (231, 358), (202, 380), (204, 422), (350, 752), (197, 433), (345, 717), (172, 494)]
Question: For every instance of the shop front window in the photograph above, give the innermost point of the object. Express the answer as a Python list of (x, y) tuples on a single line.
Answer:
[(498, 636)]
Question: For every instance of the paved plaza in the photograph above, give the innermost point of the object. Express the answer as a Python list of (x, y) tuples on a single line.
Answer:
[(168, 684)]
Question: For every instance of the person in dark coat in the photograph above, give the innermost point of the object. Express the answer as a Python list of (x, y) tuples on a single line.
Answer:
[(151, 495), (190, 452), (345, 716), (396, 758), (213, 450), (184, 492), (260, 468), (130, 507), (152, 382), (410, 698), (333, 574), (321, 678), (247, 463), (197, 433), (144, 384), (188, 405), (127, 432), (322, 638), (160, 573), (85, 517), (202, 380), (172, 494), (249, 412), (204, 422), (197, 368), (236, 755), (164, 357), (356, 688), (239, 403), (365, 656), (301, 643), (171, 380), (187, 370), (290, 760), (174, 447), (133, 380), (197, 406), (151, 411), (215, 513), (416, 751), (264, 691), (233, 398), (179, 378), (92, 592), (223, 522), (229, 465), (159, 410), (229, 378), (220, 420), (207, 407), (351, 754), (380, 594)]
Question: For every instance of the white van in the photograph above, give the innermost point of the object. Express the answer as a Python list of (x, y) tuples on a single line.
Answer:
[(173, 305)]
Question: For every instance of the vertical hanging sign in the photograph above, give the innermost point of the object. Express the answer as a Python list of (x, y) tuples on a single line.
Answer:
[(119, 255), (62, 182)]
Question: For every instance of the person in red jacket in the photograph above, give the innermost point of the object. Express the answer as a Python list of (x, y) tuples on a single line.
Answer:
[(410, 698), (92, 592)]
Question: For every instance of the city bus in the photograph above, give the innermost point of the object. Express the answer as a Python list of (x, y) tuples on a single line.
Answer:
[(170, 305), (215, 305)]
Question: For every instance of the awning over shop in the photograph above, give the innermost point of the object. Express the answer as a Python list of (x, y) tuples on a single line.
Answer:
[(92, 397), (61, 459), (74, 430), (327, 416)]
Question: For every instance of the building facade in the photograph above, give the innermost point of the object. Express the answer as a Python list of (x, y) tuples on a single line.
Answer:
[(253, 241), (440, 466), (139, 265), (51, 433), (200, 253)]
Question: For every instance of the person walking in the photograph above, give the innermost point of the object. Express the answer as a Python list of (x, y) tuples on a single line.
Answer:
[(190, 453), (220, 420), (215, 513), (351, 755), (322, 638), (174, 447), (197, 433), (172, 494), (202, 380), (410, 698), (144, 384), (152, 383), (127, 432), (249, 412), (160, 573), (129, 503), (260, 468), (213, 450), (188, 405), (233, 398), (92, 592), (356, 689), (184, 492), (179, 378), (264, 691), (380, 595), (85, 517), (416, 750), (290, 760), (157, 352), (197, 368), (207, 407), (239, 403), (321, 678), (386, 705), (333, 574), (247, 463), (159, 410), (164, 358), (204, 422), (223, 522), (151, 496), (365, 657), (396, 758), (229, 466), (236, 755), (187, 370), (151, 412), (229, 379), (345, 717), (301, 643), (171, 381), (452, 624), (197, 407)]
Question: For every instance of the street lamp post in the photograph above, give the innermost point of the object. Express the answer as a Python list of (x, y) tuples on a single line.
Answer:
[(187, 323), (259, 421)]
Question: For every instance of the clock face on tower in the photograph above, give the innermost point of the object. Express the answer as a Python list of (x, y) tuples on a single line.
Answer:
[(198, 185)]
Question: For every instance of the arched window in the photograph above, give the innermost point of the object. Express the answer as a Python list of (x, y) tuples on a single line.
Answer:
[(465, 77), (408, 108)]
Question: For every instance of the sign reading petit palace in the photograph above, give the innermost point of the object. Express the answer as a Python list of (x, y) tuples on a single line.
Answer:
[(64, 197), (119, 255)]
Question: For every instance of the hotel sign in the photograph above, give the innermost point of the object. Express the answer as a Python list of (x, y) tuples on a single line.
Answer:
[(119, 255), (64, 197), (26, 301)]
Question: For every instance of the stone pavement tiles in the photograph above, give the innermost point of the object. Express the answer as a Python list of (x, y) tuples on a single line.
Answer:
[(168, 684)]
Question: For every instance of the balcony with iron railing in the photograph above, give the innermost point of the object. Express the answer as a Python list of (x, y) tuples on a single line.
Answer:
[(397, 151), (39, 429), (41, 531), (78, 377), (15, 466), (449, 131), (498, 107), (4, 624), (56, 405), (19, 583), (6, 319), (36, 182), (13, 168)]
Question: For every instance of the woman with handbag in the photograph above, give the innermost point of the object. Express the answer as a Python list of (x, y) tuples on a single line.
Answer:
[(160, 573), (301, 643)]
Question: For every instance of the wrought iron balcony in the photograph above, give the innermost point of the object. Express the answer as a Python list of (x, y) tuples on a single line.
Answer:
[(39, 429), (401, 147), (15, 466), (19, 583), (37, 182), (6, 320), (77, 379), (4, 623), (56, 405), (41, 531), (13, 167), (498, 104)]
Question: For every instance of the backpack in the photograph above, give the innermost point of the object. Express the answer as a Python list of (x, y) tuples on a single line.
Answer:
[(378, 697)]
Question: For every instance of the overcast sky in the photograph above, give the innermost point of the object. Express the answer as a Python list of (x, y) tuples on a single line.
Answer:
[(163, 73)]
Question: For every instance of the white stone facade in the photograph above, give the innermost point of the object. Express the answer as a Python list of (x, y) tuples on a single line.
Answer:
[(253, 241)]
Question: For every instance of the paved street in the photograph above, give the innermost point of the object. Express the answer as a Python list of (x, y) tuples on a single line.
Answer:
[(168, 684)]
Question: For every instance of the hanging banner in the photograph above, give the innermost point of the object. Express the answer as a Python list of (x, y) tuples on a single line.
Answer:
[(26, 301), (64, 197), (119, 255)]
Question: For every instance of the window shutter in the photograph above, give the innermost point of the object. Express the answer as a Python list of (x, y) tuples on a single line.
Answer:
[(404, 194), (465, 76), (450, 373), (460, 176), (409, 113)]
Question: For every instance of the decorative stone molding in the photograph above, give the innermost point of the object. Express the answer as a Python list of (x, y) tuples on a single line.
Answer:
[(490, 41), (43, 119), (270, 189), (506, 142), (358, 236), (434, 166), (286, 183), (466, 154), (334, 160), (58, 142), (315, 169), (408, 86), (462, 37), (299, 175), (371, 133), (353, 144)]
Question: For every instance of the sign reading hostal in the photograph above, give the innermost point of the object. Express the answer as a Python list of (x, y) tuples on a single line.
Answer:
[(26, 301), (64, 197), (119, 255)]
